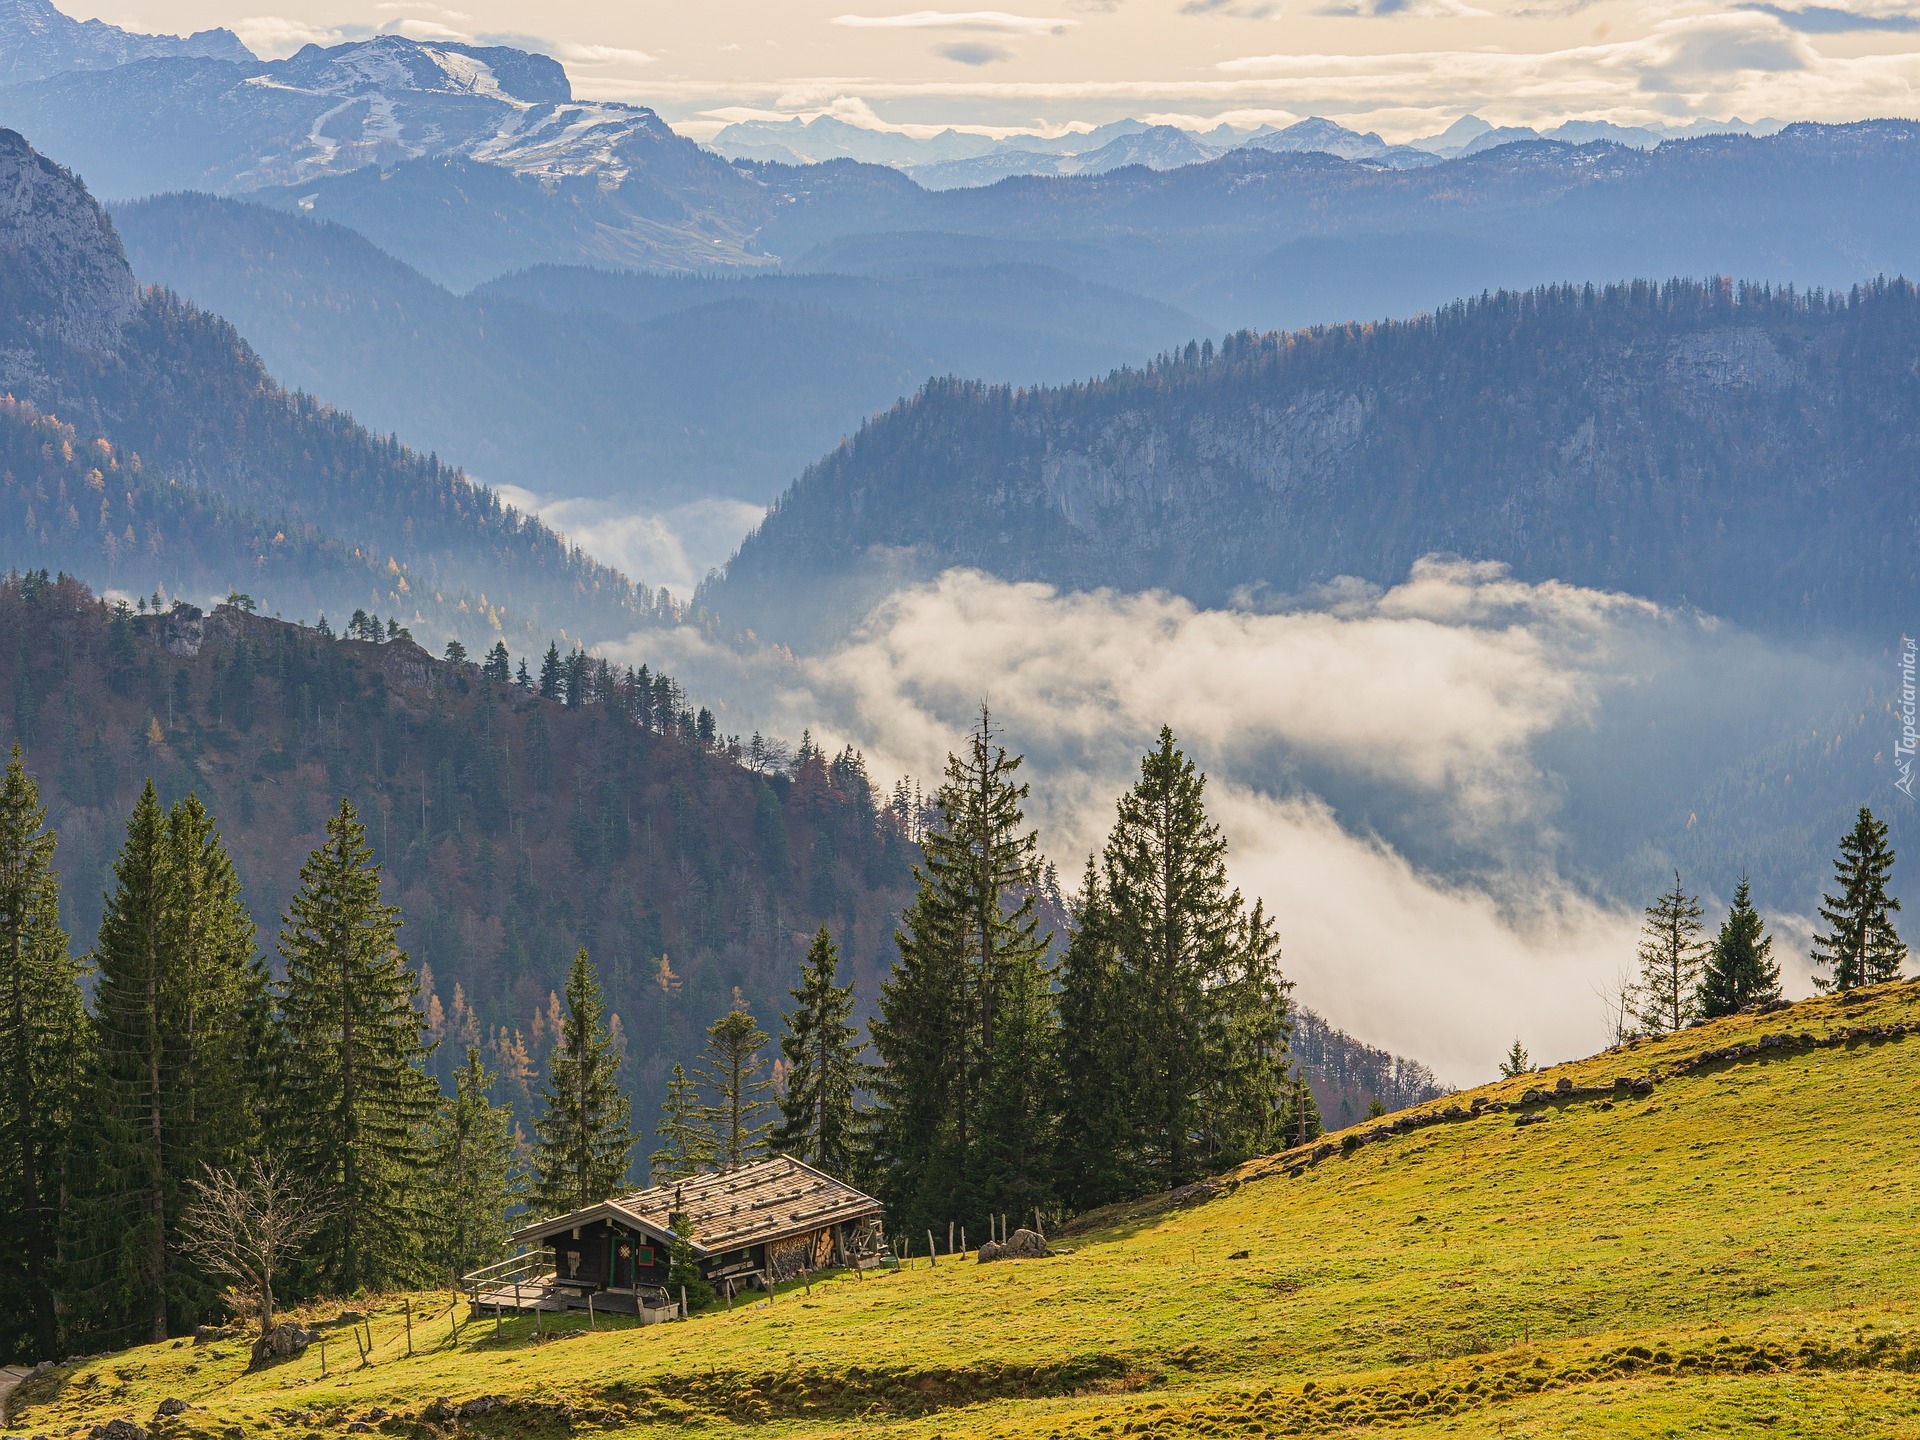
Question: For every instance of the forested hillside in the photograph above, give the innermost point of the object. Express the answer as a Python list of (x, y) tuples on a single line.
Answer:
[(1736, 448), (178, 390), (515, 822), (513, 828)]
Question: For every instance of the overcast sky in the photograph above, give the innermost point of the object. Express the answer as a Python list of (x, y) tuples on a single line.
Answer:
[(1402, 67)]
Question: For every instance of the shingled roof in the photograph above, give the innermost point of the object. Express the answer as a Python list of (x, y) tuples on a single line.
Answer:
[(730, 1209)]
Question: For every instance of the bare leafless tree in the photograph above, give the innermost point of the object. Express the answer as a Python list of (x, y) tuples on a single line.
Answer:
[(248, 1226), (1617, 1003)]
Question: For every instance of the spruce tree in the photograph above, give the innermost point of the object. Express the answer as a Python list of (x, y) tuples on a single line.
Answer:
[(584, 1134), (970, 953), (1516, 1062), (498, 666), (1740, 970), (732, 1071), (1861, 946), (1010, 1162), (1248, 1029), (177, 1084), (686, 1148), (1671, 956), (552, 673), (685, 1279), (1177, 926), (44, 1045), (1097, 1159), (1176, 983), (132, 998), (822, 1052), (476, 1179), (357, 1094)]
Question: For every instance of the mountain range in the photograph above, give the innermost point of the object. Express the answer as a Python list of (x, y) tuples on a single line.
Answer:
[(951, 159), (647, 388), (40, 40)]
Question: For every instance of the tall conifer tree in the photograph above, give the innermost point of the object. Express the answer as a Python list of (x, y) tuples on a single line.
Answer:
[(1097, 1159), (966, 1001), (358, 1098), (476, 1179), (131, 1001), (1248, 1029), (553, 675), (1176, 922), (44, 1045), (1671, 956), (822, 1051), (1171, 972), (1861, 946), (732, 1071), (584, 1134), (1740, 970), (179, 1013), (686, 1148)]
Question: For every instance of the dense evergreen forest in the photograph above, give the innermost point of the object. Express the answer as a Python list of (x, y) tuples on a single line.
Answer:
[(513, 828), (1737, 448)]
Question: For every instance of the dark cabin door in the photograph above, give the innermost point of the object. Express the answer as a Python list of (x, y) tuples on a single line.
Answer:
[(621, 1277)]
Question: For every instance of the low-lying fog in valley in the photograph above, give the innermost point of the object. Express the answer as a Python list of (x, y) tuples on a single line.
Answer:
[(1456, 793)]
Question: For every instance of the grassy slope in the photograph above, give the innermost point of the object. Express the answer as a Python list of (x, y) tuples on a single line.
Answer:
[(1733, 1252)]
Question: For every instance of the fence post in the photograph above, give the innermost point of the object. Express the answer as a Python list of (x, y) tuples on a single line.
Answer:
[(407, 1306), (932, 1259)]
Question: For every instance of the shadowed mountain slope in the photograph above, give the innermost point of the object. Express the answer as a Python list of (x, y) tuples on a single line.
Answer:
[(180, 398), (1745, 451)]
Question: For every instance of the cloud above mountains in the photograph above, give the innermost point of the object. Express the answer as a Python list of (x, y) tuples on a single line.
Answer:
[(1403, 68), (992, 22)]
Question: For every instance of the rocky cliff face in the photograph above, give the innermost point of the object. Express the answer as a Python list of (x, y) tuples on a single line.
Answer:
[(64, 280)]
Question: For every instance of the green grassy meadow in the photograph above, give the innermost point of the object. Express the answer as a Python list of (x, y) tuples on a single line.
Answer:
[(1737, 1252)]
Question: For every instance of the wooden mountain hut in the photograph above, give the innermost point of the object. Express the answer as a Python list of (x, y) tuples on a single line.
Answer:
[(761, 1223)]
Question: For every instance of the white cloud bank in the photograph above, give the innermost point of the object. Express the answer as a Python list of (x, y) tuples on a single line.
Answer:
[(991, 22), (1436, 692)]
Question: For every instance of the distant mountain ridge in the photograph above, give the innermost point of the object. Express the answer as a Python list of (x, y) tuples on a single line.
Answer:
[(241, 126), (650, 388), (38, 40), (1255, 238)]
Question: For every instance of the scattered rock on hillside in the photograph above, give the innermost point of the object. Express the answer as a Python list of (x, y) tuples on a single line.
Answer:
[(172, 1405), (283, 1342), (1021, 1245)]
